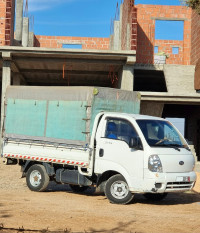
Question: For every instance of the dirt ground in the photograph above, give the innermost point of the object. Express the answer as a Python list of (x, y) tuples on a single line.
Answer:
[(60, 210)]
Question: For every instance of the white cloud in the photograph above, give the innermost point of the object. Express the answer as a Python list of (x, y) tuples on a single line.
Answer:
[(41, 5)]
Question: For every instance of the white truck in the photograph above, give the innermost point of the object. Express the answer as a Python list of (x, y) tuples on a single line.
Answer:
[(87, 136)]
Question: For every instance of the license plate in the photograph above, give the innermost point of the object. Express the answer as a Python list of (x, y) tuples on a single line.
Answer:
[(183, 178)]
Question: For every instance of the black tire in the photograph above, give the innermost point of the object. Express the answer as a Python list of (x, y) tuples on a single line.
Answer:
[(155, 196), (78, 188), (37, 178), (117, 190)]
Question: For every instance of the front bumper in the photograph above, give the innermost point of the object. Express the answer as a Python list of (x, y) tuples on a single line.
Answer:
[(167, 182)]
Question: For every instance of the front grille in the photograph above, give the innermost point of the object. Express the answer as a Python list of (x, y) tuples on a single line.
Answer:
[(179, 185)]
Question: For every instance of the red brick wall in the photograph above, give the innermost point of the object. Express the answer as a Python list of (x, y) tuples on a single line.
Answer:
[(129, 16), (146, 16), (166, 46), (7, 9), (58, 41), (195, 50), (134, 30)]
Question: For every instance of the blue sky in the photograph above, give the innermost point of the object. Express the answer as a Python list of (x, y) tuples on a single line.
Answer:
[(89, 18)]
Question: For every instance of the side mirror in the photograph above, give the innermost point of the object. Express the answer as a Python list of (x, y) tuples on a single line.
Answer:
[(135, 143)]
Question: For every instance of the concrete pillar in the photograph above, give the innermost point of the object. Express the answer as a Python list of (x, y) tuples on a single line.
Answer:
[(116, 45), (128, 40), (151, 108), (31, 39), (19, 20), (111, 41), (127, 78), (6, 81), (16, 80), (25, 32), (120, 27)]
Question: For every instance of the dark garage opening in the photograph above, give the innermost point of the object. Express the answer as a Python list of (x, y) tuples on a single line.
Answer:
[(191, 113), (149, 80)]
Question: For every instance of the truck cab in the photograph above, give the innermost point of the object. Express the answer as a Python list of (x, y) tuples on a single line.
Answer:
[(148, 152)]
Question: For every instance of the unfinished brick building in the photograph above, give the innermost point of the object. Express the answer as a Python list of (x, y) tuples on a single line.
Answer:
[(137, 32)]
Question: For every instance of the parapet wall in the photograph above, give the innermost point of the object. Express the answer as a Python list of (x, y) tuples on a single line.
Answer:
[(58, 41)]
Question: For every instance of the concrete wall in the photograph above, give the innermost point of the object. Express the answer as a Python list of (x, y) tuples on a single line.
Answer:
[(179, 79), (151, 108), (86, 42), (7, 13)]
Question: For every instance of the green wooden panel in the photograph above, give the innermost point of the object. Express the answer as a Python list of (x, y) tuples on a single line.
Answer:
[(65, 120), (25, 117), (113, 106)]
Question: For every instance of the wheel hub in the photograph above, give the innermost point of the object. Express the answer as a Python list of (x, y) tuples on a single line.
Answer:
[(35, 178), (119, 189)]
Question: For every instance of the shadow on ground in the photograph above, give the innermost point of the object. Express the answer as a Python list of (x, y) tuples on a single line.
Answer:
[(121, 227), (171, 199)]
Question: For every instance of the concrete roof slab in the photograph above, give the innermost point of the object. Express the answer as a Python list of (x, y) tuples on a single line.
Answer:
[(43, 66)]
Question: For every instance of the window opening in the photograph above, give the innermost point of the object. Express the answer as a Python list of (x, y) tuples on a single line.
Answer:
[(72, 46), (155, 49), (175, 50), (169, 30), (149, 80)]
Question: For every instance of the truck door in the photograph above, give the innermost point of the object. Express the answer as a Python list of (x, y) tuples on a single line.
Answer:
[(113, 151)]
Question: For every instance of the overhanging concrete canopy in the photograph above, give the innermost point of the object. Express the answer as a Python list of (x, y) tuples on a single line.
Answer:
[(44, 66), (170, 98)]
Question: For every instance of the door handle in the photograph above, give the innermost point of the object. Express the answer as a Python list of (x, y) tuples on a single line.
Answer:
[(101, 153)]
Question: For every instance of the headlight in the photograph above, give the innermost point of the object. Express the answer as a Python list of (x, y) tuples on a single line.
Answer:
[(154, 163)]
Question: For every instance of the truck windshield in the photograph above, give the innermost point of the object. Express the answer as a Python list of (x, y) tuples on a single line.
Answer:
[(161, 134)]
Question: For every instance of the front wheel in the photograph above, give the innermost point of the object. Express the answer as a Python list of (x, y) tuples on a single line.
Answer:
[(37, 178), (155, 196), (117, 190)]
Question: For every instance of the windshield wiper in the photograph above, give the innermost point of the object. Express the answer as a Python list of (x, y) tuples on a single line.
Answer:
[(181, 146), (174, 146)]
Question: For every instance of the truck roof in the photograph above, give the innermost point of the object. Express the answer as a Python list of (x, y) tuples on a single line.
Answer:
[(135, 116)]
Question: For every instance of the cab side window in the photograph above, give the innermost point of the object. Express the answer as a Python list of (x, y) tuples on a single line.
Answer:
[(120, 129)]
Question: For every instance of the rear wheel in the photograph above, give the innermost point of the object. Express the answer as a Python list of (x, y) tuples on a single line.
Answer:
[(37, 178), (155, 196), (78, 188), (117, 190)]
